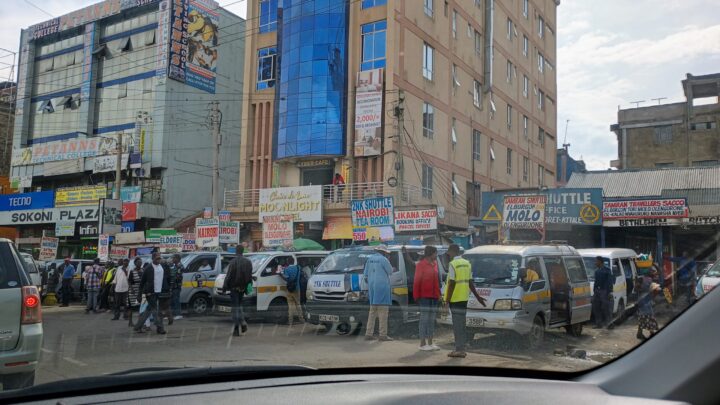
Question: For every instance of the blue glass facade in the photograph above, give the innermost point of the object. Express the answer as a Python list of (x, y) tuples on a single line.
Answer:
[(268, 16), (311, 98)]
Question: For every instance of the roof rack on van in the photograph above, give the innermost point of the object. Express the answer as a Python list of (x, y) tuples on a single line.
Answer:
[(534, 242)]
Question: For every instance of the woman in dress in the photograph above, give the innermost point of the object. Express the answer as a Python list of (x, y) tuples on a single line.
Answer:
[(647, 289)]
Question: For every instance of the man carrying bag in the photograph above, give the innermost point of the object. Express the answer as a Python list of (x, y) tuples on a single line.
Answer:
[(239, 277)]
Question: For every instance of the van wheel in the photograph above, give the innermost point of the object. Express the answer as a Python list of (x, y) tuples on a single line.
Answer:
[(278, 311), (200, 304), (17, 381), (574, 330), (537, 333)]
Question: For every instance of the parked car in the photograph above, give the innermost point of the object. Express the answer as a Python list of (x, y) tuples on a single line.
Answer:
[(622, 264), (708, 280), (21, 330)]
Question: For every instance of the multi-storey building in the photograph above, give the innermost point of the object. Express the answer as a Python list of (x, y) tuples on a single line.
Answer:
[(145, 72), (429, 101)]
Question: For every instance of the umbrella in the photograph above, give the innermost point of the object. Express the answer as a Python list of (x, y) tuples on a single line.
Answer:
[(307, 244)]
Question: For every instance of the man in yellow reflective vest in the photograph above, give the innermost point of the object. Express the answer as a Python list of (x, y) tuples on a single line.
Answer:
[(457, 293)]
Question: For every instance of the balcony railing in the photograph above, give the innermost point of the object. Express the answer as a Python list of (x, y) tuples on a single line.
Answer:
[(336, 196)]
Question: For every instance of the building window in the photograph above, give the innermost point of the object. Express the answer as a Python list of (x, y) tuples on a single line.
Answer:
[(525, 126), (665, 164), (427, 181), (541, 63), (541, 137), (478, 3), (478, 43), (541, 100), (456, 82), (476, 145), (453, 134), (455, 190), (526, 45), (699, 126), (266, 68), (663, 135), (428, 61), (509, 161), (454, 24), (705, 163), (526, 8), (477, 93), (268, 15), (526, 168), (373, 3), (509, 72), (469, 30), (428, 7), (509, 116), (526, 86), (373, 45), (428, 120), (541, 176), (509, 29), (541, 27)]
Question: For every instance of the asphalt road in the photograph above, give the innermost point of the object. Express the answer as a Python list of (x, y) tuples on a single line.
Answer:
[(81, 345)]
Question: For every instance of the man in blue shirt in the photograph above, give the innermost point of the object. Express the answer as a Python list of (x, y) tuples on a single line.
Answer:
[(377, 275), (602, 302), (68, 272), (686, 274)]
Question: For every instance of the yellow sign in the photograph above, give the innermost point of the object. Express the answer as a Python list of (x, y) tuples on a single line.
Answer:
[(492, 214), (589, 213), (86, 195)]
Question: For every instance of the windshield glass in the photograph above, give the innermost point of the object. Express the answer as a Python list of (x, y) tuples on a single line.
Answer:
[(495, 269), (28, 262), (345, 261), (590, 266), (714, 271)]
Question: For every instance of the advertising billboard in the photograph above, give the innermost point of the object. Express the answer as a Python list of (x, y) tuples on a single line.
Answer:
[(207, 232), (368, 112), (84, 195), (572, 206), (26, 201), (193, 43), (303, 203), (110, 216), (373, 212)]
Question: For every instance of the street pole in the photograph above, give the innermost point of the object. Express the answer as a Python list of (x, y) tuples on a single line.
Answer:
[(118, 167), (400, 134), (215, 120)]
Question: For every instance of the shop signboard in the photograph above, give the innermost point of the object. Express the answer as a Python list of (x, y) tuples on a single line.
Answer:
[(130, 238), (224, 215), (229, 232), (128, 226), (48, 248), (84, 195), (207, 232), (65, 150), (119, 252), (49, 215), (153, 235), (278, 230), (373, 212), (661, 208), (303, 203), (171, 243), (129, 211), (571, 206), (111, 212), (524, 212), (188, 242), (416, 220), (65, 228), (27, 201), (103, 250)]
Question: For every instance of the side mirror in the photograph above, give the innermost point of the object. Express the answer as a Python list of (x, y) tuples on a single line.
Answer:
[(537, 285)]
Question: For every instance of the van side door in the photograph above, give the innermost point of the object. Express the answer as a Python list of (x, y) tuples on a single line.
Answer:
[(398, 279), (580, 298)]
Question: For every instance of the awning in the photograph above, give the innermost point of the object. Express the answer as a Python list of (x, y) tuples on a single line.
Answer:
[(338, 228)]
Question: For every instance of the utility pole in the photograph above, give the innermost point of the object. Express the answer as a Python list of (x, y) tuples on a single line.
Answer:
[(118, 167), (215, 118), (399, 168)]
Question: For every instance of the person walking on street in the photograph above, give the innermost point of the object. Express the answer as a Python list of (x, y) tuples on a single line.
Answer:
[(68, 273), (93, 275), (459, 287), (134, 294), (377, 276), (238, 277), (686, 275), (106, 286), (121, 289), (647, 289), (155, 281), (426, 292), (176, 280), (291, 275), (602, 302)]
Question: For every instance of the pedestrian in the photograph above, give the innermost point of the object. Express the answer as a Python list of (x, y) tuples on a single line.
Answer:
[(291, 275), (176, 281), (377, 273), (426, 292), (602, 300), (686, 275), (93, 276), (68, 273), (647, 289), (155, 280), (338, 187), (134, 294), (165, 297), (238, 277), (121, 287), (458, 289), (106, 286)]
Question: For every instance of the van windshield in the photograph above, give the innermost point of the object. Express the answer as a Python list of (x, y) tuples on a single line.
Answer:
[(714, 271), (345, 261), (590, 266), (500, 269)]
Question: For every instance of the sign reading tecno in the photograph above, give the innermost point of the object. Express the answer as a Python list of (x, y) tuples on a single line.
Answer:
[(48, 216), (26, 201)]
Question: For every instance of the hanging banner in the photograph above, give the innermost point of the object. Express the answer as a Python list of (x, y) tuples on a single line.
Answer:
[(119, 252), (664, 208), (371, 212), (65, 228), (303, 203), (130, 238), (131, 194), (193, 43), (207, 232), (103, 250), (416, 220), (108, 163), (21, 156), (188, 242), (129, 211), (84, 195), (110, 216), (48, 248), (524, 212), (229, 232), (171, 243), (277, 230), (368, 112), (163, 35), (359, 234), (224, 215)]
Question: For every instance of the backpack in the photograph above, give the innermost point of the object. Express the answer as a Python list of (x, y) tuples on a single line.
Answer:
[(292, 278)]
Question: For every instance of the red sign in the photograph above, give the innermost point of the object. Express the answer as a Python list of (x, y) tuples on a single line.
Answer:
[(129, 211)]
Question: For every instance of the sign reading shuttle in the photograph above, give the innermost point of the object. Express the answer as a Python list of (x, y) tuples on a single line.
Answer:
[(303, 203)]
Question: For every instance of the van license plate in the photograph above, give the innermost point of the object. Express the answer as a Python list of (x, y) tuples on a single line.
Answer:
[(329, 318), (474, 322), (222, 308)]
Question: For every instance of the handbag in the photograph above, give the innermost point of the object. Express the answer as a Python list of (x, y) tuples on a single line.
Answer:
[(249, 289)]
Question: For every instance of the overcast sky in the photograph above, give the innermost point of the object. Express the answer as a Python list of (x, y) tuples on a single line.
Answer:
[(610, 52)]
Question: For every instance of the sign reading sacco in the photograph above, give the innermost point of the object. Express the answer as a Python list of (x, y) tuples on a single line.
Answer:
[(524, 212), (303, 203), (372, 212), (416, 220)]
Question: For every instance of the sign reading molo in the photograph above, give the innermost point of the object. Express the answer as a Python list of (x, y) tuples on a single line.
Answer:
[(573, 206)]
